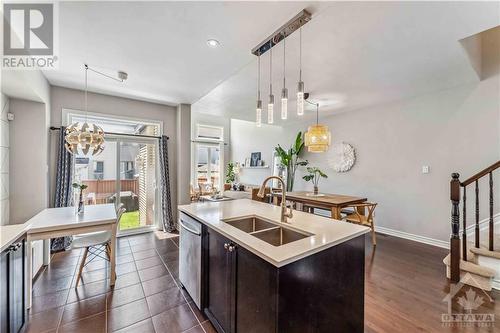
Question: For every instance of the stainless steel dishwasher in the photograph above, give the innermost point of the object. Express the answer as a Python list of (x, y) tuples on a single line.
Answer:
[(190, 257)]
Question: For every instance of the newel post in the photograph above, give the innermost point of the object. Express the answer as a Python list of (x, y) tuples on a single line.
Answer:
[(455, 226)]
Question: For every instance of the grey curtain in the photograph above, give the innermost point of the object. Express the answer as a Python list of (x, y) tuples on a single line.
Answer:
[(169, 224), (64, 190)]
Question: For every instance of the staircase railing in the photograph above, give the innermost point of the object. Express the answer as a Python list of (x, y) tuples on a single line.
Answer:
[(455, 186)]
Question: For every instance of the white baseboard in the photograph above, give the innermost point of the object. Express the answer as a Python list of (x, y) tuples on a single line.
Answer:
[(413, 237), (483, 225)]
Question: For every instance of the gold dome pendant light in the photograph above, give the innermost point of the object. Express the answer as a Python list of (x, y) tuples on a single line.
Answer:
[(84, 138), (317, 138)]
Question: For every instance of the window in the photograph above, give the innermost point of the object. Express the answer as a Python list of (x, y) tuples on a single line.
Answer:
[(127, 169), (98, 170), (209, 133)]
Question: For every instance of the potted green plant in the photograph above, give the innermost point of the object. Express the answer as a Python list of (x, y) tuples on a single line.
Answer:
[(79, 208), (231, 173), (291, 160), (315, 174)]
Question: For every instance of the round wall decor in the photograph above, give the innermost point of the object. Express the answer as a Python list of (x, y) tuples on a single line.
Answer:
[(343, 157)]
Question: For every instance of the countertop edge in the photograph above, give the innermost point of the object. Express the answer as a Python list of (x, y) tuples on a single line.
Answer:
[(22, 229), (267, 258)]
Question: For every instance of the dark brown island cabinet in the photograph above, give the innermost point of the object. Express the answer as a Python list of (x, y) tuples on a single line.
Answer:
[(12, 287), (243, 293)]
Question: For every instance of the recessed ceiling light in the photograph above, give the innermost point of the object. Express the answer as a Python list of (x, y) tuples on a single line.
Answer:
[(213, 43)]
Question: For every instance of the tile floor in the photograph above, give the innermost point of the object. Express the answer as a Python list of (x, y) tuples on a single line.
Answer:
[(146, 298)]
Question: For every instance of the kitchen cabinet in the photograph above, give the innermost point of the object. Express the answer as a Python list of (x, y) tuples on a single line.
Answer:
[(323, 292), (12, 285)]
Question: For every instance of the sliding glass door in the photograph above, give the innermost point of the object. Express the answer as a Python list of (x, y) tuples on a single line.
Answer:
[(124, 173)]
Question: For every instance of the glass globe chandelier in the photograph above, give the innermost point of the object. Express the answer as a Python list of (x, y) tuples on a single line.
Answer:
[(317, 138), (83, 138)]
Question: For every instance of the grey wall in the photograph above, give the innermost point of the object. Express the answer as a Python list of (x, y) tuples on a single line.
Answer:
[(456, 130), (28, 160), (97, 103), (184, 153), (4, 161), (246, 139)]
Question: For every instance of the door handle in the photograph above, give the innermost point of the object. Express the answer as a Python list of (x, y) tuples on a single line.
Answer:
[(229, 247), (190, 230)]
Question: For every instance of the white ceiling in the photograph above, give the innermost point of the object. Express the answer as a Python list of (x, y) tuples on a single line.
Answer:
[(355, 54), (359, 54), (161, 45)]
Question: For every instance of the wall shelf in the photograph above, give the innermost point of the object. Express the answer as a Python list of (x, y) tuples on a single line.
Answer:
[(255, 167)]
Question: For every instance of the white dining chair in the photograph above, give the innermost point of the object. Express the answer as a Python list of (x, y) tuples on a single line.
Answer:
[(95, 244)]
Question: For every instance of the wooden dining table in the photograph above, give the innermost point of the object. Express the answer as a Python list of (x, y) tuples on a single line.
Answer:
[(332, 202)]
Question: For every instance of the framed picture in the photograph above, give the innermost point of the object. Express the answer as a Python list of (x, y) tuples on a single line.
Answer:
[(254, 159)]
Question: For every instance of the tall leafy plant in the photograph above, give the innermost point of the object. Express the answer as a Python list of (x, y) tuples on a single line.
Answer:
[(291, 160), (230, 174)]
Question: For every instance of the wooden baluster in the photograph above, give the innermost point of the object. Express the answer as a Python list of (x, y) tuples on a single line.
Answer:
[(491, 213), (464, 231), (455, 226), (477, 215)]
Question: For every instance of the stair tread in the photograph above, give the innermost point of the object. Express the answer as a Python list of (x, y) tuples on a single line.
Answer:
[(485, 252), (472, 267)]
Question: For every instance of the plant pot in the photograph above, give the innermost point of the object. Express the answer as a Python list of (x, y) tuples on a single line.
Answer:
[(316, 190)]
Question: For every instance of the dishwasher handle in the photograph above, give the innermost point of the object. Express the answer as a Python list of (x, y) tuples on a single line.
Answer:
[(190, 230)]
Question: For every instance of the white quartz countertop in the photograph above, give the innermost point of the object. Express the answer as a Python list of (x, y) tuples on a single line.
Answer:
[(325, 232), (9, 234)]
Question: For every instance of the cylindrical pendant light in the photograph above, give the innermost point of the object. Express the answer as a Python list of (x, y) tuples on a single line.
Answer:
[(270, 105), (258, 110), (300, 85), (317, 138), (284, 91)]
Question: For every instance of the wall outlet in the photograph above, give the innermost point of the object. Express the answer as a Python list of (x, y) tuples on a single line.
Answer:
[(425, 169), (10, 116)]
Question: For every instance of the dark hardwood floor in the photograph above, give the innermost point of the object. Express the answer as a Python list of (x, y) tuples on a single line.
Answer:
[(405, 288)]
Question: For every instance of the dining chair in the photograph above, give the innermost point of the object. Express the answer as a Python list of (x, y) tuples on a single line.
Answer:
[(366, 220), (95, 244)]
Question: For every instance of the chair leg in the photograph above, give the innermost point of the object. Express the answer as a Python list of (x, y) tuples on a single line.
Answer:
[(82, 263), (374, 237), (108, 253)]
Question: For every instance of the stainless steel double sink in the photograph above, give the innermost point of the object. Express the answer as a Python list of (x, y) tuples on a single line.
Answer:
[(265, 230)]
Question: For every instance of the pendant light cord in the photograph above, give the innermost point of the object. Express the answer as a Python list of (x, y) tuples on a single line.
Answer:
[(284, 61), (300, 54), (317, 110), (271, 71), (258, 80), (86, 89)]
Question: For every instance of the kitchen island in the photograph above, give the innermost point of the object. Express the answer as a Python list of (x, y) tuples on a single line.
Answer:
[(248, 272)]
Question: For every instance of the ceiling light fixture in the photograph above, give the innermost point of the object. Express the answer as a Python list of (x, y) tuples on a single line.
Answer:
[(84, 138), (213, 43), (284, 91), (258, 110), (267, 44), (317, 138), (270, 105)]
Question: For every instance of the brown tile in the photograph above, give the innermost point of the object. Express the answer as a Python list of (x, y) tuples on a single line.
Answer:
[(49, 301), (157, 285), (167, 247), (91, 277), (127, 314), (142, 246), (43, 321), (65, 261), (148, 262), (125, 295), (96, 265), (170, 256), (144, 254), (173, 267), (199, 315), (175, 240), (85, 308), (88, 290), (66, 254), (126, 280), (120, 251), (94, 324), (196, 329), (175, 320), (45, 287), (145, 326), (208, 327), (165, 300), (128, 267), (152, 272), (123, 259), (53, 273)]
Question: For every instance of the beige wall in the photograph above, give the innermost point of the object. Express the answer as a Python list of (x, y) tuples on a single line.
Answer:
[(97, 103), (455, 130), (4, 161)]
